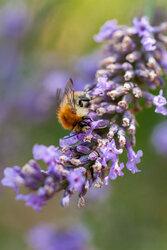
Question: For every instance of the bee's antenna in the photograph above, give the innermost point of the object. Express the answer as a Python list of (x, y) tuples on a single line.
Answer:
[(72, 135), (89, 87)]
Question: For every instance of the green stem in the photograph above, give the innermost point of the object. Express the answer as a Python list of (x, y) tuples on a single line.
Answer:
[(149, 9)]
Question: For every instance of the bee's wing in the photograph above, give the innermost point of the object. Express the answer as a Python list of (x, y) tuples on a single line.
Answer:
[(69, 93), (59, 97)]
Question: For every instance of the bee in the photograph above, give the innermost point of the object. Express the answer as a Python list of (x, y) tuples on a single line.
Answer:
[(73, 108)]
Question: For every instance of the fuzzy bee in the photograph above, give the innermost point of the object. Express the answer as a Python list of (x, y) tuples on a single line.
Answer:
[(73, 108)]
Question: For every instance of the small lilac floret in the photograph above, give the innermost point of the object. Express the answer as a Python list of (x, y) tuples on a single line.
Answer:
[(93, 156), (116, 170), (102, 86), (13, 178), (109, 152), (106, 180), (160, 101), (148, 43), (142, 26), (133, 158), (32, 200), (106, 31), (76, 180), (83, 149), (47, 154), (65, 201)]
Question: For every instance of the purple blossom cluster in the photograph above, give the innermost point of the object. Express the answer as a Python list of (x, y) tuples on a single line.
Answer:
[(45, 236), (131, 69)]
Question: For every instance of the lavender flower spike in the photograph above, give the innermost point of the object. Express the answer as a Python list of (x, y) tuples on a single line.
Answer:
[(133, 64)]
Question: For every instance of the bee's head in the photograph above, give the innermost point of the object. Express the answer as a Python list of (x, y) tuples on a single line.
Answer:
[(83, 100)]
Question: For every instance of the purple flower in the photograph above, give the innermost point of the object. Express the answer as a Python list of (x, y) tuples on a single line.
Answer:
[(93, 156), (102, 86), (109, 152), (65, 201), (76, 180), (142, 26), (133, 158), (159, 138), (116, 170), (33, 175), (106, 31), (13, 178), (160, 101), (32, 200), (68, 140), (148, 43), (99, 124), (47, 154), (45, 236)]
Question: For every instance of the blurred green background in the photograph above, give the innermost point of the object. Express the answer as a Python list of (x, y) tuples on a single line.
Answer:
[(58, 32)]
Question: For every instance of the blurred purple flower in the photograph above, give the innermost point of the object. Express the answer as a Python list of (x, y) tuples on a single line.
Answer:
[(45, 236), (106, 31), (13, 178), (47, 154), (159, 138)]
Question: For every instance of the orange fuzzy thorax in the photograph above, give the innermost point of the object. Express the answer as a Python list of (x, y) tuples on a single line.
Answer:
[(67, 117)]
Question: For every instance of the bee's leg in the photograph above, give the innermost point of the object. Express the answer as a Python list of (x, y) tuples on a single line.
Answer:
[(76, 128), (86, 118), (84, 126)]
